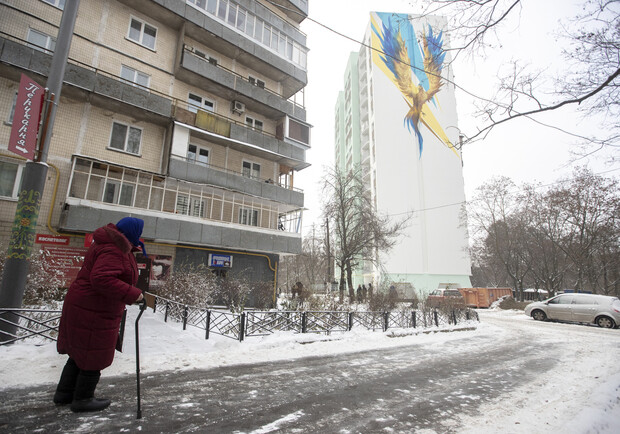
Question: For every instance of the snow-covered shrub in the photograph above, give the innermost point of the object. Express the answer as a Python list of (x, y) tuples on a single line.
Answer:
[(381, 301), (194, 285), (508, 302), (44, 284)]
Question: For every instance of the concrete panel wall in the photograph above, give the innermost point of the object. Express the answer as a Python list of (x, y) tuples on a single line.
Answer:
[(79, 218)]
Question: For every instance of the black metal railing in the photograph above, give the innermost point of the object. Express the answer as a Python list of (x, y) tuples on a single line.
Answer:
[(37, 324), (261, 323), (43, 324)]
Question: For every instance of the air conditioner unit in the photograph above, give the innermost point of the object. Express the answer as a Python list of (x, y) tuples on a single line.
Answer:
[(238, 107)]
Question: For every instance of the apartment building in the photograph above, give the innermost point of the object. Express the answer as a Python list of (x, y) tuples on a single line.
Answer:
[(396, 122), (187, 114)]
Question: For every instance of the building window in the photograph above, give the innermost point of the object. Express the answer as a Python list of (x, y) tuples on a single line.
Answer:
[(198, 102), (60, 4), (251, 170), (142, 33), (197, 154), (134, 76), (256, 82), (221, 10), (248, 216), (41, 41), (298, 131), (200, 3), (10, 179), (192, 206), (254, 123), (232, 14), (9, 120), (126, 138), (117, 193)]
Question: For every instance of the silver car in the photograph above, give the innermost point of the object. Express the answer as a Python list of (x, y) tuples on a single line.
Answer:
[(601, 310)]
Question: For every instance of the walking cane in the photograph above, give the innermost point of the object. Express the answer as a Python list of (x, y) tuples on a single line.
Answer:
[(142, 309)]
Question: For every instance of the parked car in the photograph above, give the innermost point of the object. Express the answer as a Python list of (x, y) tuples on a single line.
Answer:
[(445, 297), (601, 310)]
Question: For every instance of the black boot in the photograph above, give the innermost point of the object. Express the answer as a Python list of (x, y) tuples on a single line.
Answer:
[(66, 384), (84, 396)]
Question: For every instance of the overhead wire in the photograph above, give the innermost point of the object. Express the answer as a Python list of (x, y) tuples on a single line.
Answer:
[(457, 86), (452, 82), (510, 193)]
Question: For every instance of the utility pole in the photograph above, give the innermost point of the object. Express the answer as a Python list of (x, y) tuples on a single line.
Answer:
[(17, 264), (329, 255)]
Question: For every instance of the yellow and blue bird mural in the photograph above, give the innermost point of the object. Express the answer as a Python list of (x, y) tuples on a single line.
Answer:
[(414, 69)]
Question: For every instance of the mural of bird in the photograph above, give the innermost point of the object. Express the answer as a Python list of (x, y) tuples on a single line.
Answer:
[(402, 66)]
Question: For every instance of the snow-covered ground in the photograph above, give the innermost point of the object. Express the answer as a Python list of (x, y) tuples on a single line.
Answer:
[(582, 395)]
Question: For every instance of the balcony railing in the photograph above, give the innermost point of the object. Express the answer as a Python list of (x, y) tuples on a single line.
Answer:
[(293, 99), (103, 182)]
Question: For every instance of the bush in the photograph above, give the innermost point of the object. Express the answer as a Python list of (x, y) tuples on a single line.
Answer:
[(508, 302), (193, 285), (44, 284), (196, 285), (382, 302)]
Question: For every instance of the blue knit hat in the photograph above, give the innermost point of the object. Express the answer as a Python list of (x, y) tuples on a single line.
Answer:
[(132, 227)]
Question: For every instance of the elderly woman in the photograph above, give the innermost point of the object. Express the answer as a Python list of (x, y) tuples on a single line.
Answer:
[(92, 312)]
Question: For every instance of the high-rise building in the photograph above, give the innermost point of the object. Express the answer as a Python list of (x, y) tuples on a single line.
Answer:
[(396, 122), (187, 114)]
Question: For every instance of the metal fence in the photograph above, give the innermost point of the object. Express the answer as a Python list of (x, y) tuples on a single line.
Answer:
[(38, 325), (261, 323), (43, 324)]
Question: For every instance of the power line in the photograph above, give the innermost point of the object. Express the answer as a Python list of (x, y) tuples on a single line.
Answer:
[(457, 86), (510, 193), (363, 44)]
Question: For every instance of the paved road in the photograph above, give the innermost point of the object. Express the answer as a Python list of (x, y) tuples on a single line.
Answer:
[(404, 389)]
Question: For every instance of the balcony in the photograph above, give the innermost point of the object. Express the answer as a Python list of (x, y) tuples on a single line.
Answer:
[(108, 91), (238, 135), (177, 211), (222, 33), (296, 10), (185, 169), (232, 86), (85, 82)]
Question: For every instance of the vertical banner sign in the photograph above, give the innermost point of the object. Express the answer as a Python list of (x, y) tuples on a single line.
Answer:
[(23, 139)]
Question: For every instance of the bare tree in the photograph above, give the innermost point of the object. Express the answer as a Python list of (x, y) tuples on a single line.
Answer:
[(589, 79), (360, 232), (309, 267), (499, 224), (546, 230), (590, 207), (566, 235)]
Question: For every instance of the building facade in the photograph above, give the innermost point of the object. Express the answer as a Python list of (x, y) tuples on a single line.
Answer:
[(396, 122), (187, 114)]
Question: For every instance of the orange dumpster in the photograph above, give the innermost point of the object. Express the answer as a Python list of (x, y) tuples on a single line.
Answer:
[(483, 297)]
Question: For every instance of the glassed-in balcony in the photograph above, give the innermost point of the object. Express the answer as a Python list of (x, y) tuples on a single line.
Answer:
[(258, 25), (94, 182)]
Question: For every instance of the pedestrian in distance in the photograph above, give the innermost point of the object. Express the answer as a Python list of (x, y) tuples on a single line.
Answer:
[(92, 312)]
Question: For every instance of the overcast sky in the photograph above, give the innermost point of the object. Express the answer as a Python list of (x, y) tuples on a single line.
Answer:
[(521, 149)]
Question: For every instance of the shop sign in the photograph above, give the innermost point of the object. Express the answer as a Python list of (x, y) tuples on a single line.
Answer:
[(51, 239), (220, 261), (23, 140)]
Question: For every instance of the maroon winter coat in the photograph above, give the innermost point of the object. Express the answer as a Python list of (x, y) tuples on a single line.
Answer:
[(95, 302)]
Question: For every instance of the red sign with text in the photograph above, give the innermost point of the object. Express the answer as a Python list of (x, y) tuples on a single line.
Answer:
[(23, 140), (66, 260), (51, 239)]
